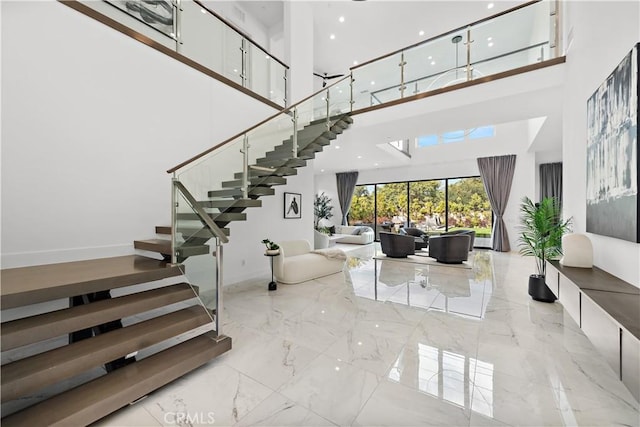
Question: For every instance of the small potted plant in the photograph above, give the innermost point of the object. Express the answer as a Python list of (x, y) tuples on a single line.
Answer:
[(272, 247), (541, 230)]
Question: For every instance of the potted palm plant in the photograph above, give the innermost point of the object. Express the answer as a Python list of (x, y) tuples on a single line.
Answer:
[(541, 231)]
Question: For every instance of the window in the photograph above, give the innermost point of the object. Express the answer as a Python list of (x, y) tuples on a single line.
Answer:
[(482, 132), (427, 140), (456, 136), (433, 206)]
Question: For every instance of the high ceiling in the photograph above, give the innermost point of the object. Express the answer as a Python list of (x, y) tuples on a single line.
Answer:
[(376, 27)]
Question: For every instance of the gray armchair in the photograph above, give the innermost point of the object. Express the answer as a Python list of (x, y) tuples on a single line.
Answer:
[(420, 237), (450, 248), (470, 233), (397, 245)]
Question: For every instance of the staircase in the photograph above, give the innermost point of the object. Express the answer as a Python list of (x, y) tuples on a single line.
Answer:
[(227, 204), (122, 335), (87, 338)]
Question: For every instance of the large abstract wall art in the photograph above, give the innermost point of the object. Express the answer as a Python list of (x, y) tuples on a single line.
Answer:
[(612, 153), (158, 14)]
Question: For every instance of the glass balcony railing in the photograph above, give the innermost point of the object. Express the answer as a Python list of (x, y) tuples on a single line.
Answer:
[(207, 39), (521, 37), (189, 28)]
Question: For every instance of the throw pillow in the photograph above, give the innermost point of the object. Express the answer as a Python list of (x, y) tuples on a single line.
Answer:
[(332, 230), (357, 231)]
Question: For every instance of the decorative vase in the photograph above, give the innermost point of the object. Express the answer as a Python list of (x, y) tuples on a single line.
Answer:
[(538, 289), (272, 251)]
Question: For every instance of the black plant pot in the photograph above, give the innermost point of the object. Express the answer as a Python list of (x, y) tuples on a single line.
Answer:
[(539, 290)]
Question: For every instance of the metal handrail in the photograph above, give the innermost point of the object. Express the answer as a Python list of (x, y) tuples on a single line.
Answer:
[(462, 67), (227, 141)]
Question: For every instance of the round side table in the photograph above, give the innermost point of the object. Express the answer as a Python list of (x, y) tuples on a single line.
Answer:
[(272, 285)]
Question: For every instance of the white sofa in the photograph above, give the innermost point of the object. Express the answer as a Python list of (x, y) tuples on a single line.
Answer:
[(322, 240), (346, 234), (296, 263)]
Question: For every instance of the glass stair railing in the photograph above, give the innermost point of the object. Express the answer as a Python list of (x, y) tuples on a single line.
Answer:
[(216, 187)]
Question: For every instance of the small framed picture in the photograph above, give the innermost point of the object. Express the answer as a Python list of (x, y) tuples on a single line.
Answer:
[(292, 205)]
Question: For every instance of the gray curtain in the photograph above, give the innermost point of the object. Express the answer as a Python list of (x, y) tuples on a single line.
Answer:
[(346, 182), (551, 181), (497, 174)]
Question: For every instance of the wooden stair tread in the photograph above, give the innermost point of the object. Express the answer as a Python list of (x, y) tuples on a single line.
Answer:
[(230, 204), (91, 401), (30, 285), (294, 163), (32, 329), (215, 216), (30, 374), (260, 180), (163, 246), (191, 231), (282, 171), (235, 192)]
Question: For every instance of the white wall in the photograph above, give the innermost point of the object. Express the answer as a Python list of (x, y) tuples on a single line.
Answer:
[(91, 121), (595, 51), (268, 222), (298, 35)]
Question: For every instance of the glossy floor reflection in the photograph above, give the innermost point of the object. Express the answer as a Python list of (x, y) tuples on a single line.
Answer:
[(396, 344)]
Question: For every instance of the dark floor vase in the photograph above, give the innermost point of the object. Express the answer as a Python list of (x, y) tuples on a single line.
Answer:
[(539, 290)]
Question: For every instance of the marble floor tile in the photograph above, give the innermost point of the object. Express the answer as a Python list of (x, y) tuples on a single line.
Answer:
[(366, 350), (133, 415), (442, 346), (270, 360), (513, 401), (393, 404), (332, 389), (277, 410), (214, 391)]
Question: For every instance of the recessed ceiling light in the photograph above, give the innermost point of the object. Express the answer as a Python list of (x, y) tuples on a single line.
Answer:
[(321, 170), (355, 62), (373, 82), (340, 91), (490, 44), (337, 147), (332, 36), (433, 62), (375, 164), (430, 57), (341, 19), (359, 157), (203, 10), (235, 70), (490, 6), (421, 33)]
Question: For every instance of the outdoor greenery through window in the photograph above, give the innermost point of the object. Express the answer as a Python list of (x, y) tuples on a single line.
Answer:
[(433, 206)]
